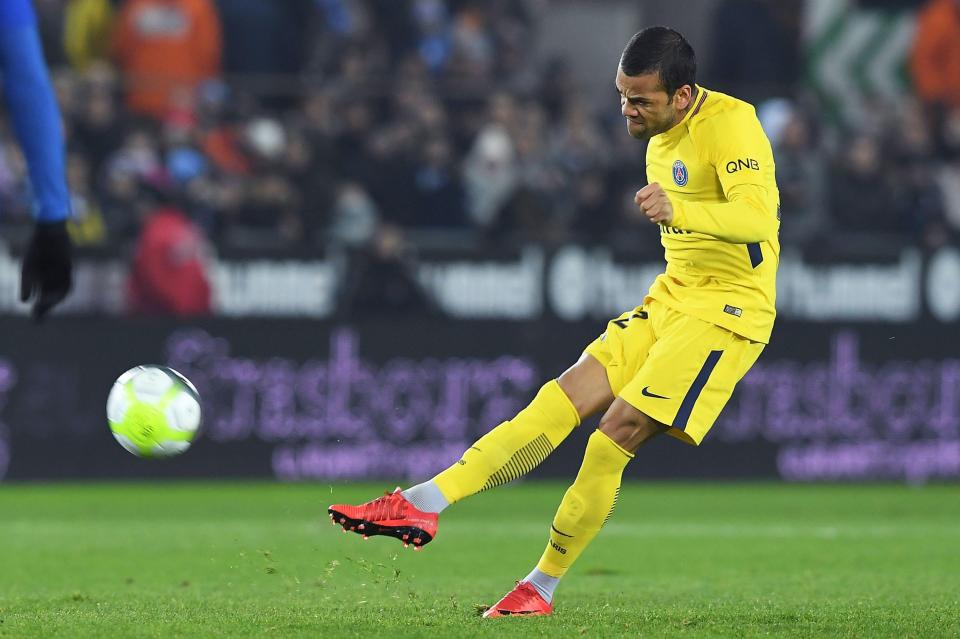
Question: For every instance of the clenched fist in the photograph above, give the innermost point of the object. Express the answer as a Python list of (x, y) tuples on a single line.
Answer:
[(655, 204)]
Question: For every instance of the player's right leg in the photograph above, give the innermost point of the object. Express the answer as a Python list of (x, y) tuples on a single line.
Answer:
[(685, 379), (585, 508), (505, 453)]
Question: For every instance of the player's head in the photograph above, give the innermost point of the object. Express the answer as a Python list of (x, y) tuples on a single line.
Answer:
[(655, 80)]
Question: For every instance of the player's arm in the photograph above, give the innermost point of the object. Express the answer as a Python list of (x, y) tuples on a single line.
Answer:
[(47, 265), (743, 218), (33, 112), (740, 153)]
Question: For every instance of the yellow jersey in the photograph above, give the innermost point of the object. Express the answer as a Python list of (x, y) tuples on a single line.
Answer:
[(722, 252)]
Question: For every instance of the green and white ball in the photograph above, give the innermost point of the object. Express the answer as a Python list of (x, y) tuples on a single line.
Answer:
[(153, 411)]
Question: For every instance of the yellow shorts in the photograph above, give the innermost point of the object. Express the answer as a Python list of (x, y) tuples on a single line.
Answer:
[(673, 367)]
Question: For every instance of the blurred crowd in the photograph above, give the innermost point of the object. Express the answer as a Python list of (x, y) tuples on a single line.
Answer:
[(375, 123), (273, 124), (874, 181)]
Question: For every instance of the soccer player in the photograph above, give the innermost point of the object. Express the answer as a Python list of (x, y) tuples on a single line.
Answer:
[(46, 274), (667, 366)]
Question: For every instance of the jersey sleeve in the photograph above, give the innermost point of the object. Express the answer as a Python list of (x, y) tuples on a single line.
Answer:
[(33, 109), (16, 13), (736, 146)]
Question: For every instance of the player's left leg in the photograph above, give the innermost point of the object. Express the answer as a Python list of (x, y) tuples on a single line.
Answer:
[(505, 453), (585, 508), (516, 447)]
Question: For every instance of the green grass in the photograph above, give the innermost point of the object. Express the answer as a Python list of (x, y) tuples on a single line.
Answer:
[(690, 560)]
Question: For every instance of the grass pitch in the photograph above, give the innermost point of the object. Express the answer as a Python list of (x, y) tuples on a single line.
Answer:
[(690, 560)]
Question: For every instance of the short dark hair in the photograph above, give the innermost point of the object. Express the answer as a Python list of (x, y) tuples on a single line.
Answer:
[(664, 51)]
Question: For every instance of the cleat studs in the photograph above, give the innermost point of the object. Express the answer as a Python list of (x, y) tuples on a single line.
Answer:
[(353, 528), (406, 545), (360, 527), (344, 531), (417, 541), (417, 547), (343, 520), (366, 537), (406, 537)]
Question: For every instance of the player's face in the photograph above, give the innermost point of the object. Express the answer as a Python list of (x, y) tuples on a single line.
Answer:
[(646, 106)]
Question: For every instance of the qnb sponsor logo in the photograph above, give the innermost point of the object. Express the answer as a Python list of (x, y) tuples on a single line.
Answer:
[(345, 416), (742, 163)]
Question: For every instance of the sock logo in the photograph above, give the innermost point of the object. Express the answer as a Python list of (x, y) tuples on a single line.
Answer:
[(560, 549)]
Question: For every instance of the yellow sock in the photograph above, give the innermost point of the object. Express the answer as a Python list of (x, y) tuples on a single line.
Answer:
[(513, 448), (587, 505)]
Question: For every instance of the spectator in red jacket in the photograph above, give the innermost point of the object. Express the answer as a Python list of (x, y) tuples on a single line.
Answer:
[(169, 273)]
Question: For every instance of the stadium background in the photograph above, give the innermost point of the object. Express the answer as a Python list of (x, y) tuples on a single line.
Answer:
[(367, 230)]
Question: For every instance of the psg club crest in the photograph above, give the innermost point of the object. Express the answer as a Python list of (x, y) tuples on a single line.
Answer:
[(680, 173)]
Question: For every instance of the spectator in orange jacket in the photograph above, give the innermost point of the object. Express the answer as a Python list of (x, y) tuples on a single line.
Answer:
[(935, 59), (165, 48)]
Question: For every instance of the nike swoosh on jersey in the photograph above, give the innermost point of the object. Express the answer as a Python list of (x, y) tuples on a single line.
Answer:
[(646, 393)]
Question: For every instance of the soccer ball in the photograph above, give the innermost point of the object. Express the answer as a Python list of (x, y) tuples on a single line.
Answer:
[(153, 411)]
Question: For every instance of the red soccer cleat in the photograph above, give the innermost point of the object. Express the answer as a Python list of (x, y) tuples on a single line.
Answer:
[(522, 600), (390, 515)]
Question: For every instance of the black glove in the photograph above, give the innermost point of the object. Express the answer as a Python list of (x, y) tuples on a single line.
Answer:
[(47, 272)]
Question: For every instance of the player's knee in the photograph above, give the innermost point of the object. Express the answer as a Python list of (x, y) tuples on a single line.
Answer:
[(629, 427), (623, 415), (585, 383), (580, 400)]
